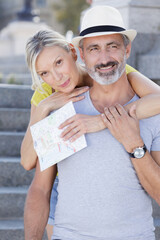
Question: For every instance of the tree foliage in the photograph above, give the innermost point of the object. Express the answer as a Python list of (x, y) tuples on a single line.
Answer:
[(68, 13)]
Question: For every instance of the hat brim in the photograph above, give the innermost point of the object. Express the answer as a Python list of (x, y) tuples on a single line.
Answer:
[(131, 34)]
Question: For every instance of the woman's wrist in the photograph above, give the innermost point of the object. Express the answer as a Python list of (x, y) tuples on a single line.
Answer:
[(101, 123)]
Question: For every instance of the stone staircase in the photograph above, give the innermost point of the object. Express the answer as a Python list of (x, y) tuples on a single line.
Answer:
[(14, 70), (14, 180)]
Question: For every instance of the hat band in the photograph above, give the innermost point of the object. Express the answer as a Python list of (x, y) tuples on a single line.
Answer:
[(103, 28)]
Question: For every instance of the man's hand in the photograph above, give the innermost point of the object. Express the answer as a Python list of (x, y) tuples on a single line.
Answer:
[(123, 126)]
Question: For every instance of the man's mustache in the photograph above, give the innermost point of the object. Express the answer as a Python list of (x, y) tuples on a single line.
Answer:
[(102, 65)]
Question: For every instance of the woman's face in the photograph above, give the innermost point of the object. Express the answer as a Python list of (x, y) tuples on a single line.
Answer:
[(57, 68)]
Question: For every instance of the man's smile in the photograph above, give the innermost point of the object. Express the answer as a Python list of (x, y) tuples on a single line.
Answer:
[(105, 67)]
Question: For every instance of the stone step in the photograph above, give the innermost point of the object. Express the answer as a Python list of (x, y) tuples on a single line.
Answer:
[(10, 143), (13, 60), (156, 209), (16, 78), (14, 119), (12, 174), (157, 228), (156, 215), (6, 68), (13, 229), (12, 201), (16, 64), (15, 96)]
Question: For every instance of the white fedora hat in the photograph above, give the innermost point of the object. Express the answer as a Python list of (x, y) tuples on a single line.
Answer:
[(102, 20)]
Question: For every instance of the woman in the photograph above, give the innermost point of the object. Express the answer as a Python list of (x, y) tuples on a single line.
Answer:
[(52, 62)]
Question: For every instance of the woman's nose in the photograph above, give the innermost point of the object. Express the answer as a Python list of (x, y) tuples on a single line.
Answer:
[(57, 75)]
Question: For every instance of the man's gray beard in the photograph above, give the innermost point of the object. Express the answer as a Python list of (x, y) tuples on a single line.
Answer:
[(107, 78)]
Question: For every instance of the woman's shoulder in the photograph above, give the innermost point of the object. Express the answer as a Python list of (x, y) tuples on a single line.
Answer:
[(39, 94), (130, 69)]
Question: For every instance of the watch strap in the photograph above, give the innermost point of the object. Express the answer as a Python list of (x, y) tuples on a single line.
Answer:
[(132, 154)]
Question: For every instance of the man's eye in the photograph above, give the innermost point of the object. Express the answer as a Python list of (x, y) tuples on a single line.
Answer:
[(93, 49), (114, 46)]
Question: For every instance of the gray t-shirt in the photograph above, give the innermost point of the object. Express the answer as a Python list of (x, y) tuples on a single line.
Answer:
[(99, 194)]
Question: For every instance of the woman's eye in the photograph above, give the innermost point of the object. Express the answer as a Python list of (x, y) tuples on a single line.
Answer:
[(43, 74), (59, 62)]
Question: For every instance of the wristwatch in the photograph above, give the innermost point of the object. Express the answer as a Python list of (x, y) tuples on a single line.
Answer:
[(138, 152)]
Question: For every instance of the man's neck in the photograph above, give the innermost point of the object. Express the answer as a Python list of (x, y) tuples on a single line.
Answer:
[(108, 95)]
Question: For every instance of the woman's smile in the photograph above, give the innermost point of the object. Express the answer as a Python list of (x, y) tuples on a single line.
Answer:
[(65, 84)]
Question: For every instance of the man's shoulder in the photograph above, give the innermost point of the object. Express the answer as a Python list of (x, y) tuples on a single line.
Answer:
[(153, 123), (154, 119), (150, 121)]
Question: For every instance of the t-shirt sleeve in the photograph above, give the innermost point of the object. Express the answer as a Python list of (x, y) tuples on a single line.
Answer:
[(156, 133), (38, 96), (156, 143), (130, 69)]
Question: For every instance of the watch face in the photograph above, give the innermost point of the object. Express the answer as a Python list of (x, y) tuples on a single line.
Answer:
[(139, 152)]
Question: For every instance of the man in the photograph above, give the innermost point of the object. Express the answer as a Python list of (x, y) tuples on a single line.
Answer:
[(104, 189)]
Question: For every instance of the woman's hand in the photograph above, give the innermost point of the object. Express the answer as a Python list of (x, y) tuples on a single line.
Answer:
[(80, 124), (59, 99)]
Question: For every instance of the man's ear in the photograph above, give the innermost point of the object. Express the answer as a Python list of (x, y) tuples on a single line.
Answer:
[(81, 53), (128, 50), (73, 51)]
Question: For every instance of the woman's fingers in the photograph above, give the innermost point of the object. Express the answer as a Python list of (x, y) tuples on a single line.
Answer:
[(78, 98), (76, 136), (71, 133), (67, 122), (72, 127), (78, 91)]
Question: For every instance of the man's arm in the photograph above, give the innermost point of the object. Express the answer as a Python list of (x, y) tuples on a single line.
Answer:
[(125, 128), (36, 210), (148, 171)]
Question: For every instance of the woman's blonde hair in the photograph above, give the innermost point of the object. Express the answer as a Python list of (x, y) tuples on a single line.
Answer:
[(35, 44)]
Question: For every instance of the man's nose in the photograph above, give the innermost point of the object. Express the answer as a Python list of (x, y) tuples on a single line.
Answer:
[(104, 56)]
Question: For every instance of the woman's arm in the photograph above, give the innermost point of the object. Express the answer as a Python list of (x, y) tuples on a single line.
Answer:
[(28, 154), (149, 92), (142, 85), (53, 102)]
